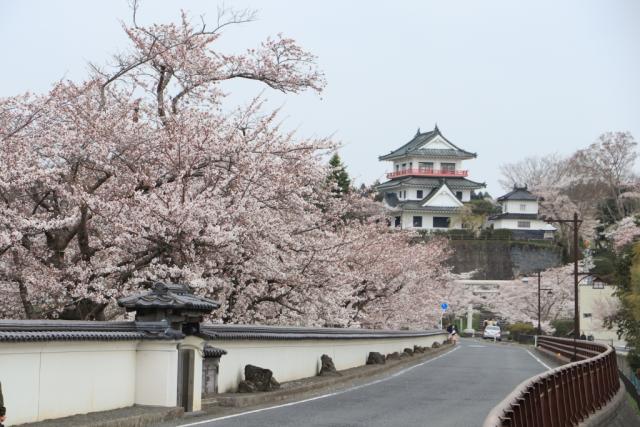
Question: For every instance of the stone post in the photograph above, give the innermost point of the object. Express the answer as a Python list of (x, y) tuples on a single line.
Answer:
[(469, 329)]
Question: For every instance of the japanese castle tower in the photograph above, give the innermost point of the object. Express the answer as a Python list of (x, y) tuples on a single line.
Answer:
[(428, 185)]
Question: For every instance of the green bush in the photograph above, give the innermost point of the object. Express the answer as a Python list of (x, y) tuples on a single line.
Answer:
[(563, 327), (520, 328)]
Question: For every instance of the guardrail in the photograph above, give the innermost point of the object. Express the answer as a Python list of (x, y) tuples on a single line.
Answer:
[(564, 396)]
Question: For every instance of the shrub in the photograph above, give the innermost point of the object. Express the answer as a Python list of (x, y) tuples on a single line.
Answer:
[(563, 327), (520, 328)]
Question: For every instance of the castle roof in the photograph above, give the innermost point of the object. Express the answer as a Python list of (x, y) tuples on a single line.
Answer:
[(430, 182), (419, 146), (512, 215), (391, 199), (518, 193)]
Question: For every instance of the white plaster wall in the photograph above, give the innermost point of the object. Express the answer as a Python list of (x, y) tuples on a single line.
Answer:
[(156, 375), (513, 206), (56, 379), (415, 161), (413, 195), (427, 221), (291, 360), (589, 301)]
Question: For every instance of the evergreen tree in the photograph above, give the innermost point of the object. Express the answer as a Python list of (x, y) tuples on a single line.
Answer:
[(339, 176)]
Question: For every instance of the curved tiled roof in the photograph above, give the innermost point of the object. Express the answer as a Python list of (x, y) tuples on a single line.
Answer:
[(165, 296), (428, 182), (420, 139), (518, 193), (508, 215)]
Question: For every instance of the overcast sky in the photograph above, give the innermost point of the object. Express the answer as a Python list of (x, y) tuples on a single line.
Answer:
[(504, 79)]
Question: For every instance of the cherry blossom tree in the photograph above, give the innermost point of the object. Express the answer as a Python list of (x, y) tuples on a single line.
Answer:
[(609, 163), (517, 300), (624, 232), (138, 174)]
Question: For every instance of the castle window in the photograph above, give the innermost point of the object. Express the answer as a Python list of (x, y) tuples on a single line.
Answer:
[(425, 165), (448, 167), (419, 194), (404, 166), (524, 224), (397, 222), (417, 221), (441, 222), (459, 195), (523, 207)]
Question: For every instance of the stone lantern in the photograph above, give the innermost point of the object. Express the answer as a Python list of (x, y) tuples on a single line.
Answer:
[(174, 304)]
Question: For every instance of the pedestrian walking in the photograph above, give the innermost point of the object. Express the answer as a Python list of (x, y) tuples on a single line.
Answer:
[(454, 334)]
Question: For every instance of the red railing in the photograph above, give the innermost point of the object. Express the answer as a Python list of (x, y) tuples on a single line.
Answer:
[(564, 396), (427, 172)]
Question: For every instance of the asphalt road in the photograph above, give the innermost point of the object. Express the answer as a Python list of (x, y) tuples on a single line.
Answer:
[(456, 389)]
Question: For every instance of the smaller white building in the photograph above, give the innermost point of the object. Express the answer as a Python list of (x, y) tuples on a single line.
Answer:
[(596, 300), (520, 215)]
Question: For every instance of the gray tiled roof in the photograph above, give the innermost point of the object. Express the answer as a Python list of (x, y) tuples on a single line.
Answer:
[(72, 330), (513, 216), (211, 351), (429, 182), (63, 330), (168, 296), (518, 193), (32, 336), (413, 147), (252, 332), (416, 206)]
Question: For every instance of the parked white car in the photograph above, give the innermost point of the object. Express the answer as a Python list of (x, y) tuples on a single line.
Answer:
[(492, 332)]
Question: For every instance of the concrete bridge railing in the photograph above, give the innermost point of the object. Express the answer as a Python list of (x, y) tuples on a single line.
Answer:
[(565, 396)]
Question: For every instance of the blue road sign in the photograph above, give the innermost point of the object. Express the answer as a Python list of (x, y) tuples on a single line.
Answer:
[(444, 306)]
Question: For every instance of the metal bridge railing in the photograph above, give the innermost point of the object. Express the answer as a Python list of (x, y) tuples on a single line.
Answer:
[(564, 396)]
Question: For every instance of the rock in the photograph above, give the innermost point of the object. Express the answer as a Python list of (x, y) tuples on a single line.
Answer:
[(257, 379), (375, 358), (408, 351), (393, 356), (418, 349), (274, 384), (247, 387), (435, 345), (328, 369)]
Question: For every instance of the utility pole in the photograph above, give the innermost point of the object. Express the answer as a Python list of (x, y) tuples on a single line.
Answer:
[(539, 327), (539, 305), (575, 223)]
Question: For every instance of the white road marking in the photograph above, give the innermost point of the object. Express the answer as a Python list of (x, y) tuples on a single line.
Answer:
[(401, 372), (476, 346), (539, 361)]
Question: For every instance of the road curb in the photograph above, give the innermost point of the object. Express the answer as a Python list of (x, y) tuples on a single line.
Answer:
[(305, 385)]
